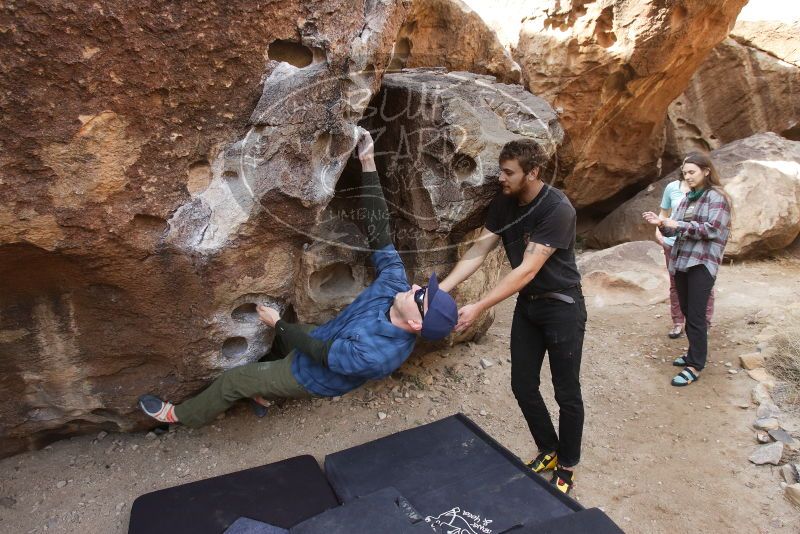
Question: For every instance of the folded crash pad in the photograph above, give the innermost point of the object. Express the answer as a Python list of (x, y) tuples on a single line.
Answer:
[(384, 511), (454, 474), (282, 494), (245, 525)]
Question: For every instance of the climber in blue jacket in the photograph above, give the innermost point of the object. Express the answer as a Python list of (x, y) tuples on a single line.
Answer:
[(369, 339)]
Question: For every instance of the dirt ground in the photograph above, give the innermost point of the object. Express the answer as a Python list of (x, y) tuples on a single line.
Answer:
[(656, 458)]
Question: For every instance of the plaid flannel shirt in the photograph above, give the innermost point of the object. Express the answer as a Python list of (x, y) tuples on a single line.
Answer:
[(702, 240)]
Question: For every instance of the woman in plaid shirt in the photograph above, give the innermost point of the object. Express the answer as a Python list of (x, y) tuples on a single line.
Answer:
[(701, 226)]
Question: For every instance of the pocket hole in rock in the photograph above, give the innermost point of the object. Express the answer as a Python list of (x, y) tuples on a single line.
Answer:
[(335, 280), (233, 347), (246, 313), (291, 52), (464, 166)]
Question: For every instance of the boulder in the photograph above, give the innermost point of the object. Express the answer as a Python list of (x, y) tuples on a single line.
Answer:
[(439, 152), (777, 38), (160, 162), (614, 67), (146, 211), (738, 91), (449, 34), (762, 176), (631, 273)]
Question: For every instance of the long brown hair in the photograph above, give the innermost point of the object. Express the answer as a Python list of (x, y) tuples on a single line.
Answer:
[(710, 180)]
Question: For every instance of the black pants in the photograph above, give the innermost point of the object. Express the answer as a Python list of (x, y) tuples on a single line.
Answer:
[(694, 286), (555, 327)]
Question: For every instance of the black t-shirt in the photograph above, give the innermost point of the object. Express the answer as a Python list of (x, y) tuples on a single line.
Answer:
[(549, 219)]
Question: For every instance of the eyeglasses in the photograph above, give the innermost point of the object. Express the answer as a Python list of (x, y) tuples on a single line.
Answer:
[(419, 298)]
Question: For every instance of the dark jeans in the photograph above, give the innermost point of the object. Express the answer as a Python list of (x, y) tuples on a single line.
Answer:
[(694, 287), (555, 327), (674, 303)]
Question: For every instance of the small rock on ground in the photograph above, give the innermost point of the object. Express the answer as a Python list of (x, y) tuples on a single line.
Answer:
[(754, 360), (768, 454), (781, 435), (766, 423), (762, 377), (768, 409), (760, 394), (763, 437), (789, 474), (793, 493)]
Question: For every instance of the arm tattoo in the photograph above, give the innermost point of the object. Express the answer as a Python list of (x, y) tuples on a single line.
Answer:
[(535, 248)]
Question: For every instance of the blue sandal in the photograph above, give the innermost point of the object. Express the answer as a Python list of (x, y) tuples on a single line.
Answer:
[(680, 361), (685, 377)]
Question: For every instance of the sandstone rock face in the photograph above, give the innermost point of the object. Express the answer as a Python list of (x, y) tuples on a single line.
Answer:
[(778, 39), (146, 205), (737, 92), (614, 67), (631, 273), (447, 33), (762, 176), (163, 174)]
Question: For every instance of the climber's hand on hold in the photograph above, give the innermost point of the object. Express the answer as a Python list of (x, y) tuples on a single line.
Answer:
[(269, 316), (366, 147), (366, 150)]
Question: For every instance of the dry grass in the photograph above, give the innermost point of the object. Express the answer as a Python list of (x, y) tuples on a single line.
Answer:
[(785, 366)]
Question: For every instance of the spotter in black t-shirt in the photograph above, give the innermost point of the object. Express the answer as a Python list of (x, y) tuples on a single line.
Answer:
[(549, 219)]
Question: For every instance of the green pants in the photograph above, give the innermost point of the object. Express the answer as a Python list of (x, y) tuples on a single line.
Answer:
[(271, 380)]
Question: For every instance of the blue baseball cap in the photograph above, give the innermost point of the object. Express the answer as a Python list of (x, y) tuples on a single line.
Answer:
[(442, 314)]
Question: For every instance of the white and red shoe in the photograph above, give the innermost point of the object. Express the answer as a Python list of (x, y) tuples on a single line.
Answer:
[(157, 409)]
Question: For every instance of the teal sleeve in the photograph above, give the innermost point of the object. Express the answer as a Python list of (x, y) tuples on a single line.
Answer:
[(666, 198)]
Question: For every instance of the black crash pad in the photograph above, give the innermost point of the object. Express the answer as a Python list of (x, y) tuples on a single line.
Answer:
[(454, 474), (245, 525), (591, 521), (384, 512), (282, 494)]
